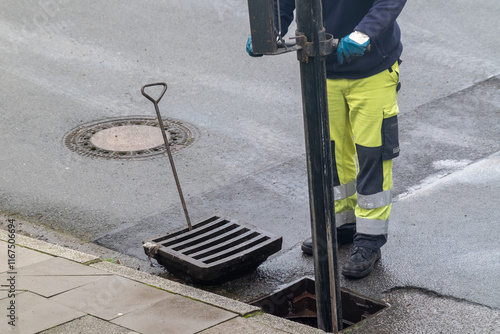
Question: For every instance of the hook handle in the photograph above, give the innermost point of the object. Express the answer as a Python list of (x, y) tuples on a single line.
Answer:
[(151, 85), (167, 145)]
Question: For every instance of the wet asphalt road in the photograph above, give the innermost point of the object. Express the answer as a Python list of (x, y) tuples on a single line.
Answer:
[(64, 64)]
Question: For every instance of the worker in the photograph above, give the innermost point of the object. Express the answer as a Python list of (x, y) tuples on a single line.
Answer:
[(362, 84)]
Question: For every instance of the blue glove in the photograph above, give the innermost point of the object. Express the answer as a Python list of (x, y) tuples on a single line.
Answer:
[(250, 48), (353, 45)]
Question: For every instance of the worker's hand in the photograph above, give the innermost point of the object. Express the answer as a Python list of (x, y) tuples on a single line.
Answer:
[(352, 45), (250, 48)]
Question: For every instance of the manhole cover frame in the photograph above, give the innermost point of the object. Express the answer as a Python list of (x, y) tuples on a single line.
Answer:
[(182, 135), (296, 302)]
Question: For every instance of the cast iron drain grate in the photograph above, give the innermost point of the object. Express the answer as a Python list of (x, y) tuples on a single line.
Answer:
[(129, 138), (214, 251)]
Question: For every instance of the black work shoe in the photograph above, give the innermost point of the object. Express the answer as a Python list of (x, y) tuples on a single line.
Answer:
[(307, 246), (344, 236), (361, 262)]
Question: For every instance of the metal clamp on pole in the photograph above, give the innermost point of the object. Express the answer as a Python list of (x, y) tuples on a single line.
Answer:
[(305, 49)]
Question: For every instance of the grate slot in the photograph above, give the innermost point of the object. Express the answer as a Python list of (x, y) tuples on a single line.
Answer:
[(195, 227), (255, 251), (216, 241), (210, 234), (231, 251), (225, 245), (195, 232)]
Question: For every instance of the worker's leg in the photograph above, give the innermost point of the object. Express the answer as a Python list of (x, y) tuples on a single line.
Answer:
[(373, 116), (344, 156)]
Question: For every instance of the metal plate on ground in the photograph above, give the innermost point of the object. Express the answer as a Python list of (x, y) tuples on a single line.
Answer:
[(214, 251), (135, 137)]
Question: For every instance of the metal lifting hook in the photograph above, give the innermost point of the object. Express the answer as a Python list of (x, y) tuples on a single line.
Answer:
[(167, 146)]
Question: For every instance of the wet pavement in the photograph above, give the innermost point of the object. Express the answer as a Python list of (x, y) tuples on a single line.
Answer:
[(68, 64), (60, 290)]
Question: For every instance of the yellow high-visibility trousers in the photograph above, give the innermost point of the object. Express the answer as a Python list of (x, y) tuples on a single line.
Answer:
[(364, 133)]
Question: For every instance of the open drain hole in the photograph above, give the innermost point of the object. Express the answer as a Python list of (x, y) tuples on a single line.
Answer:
[(297, 302), (129, 138)]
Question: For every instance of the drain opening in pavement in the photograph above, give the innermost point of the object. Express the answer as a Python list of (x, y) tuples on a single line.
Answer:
[(297, 302), (129, 138)]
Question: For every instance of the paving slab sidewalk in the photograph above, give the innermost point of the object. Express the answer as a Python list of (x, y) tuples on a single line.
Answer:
[(60, 290)]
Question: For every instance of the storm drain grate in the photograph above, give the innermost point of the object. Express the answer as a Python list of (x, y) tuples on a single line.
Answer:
[(215, 250), (129, 138)]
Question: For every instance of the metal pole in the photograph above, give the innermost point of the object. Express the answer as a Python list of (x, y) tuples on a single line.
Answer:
[(319, 163)]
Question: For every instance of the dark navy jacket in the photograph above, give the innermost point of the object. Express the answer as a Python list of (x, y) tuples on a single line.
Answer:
[(375, 18)]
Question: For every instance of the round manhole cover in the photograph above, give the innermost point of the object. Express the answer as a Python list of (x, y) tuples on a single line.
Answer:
[(129, 138)]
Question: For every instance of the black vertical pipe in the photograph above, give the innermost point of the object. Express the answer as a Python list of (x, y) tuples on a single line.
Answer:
[(319, 166)]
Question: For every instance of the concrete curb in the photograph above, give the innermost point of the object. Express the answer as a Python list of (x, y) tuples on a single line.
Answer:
[(45, 247)]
